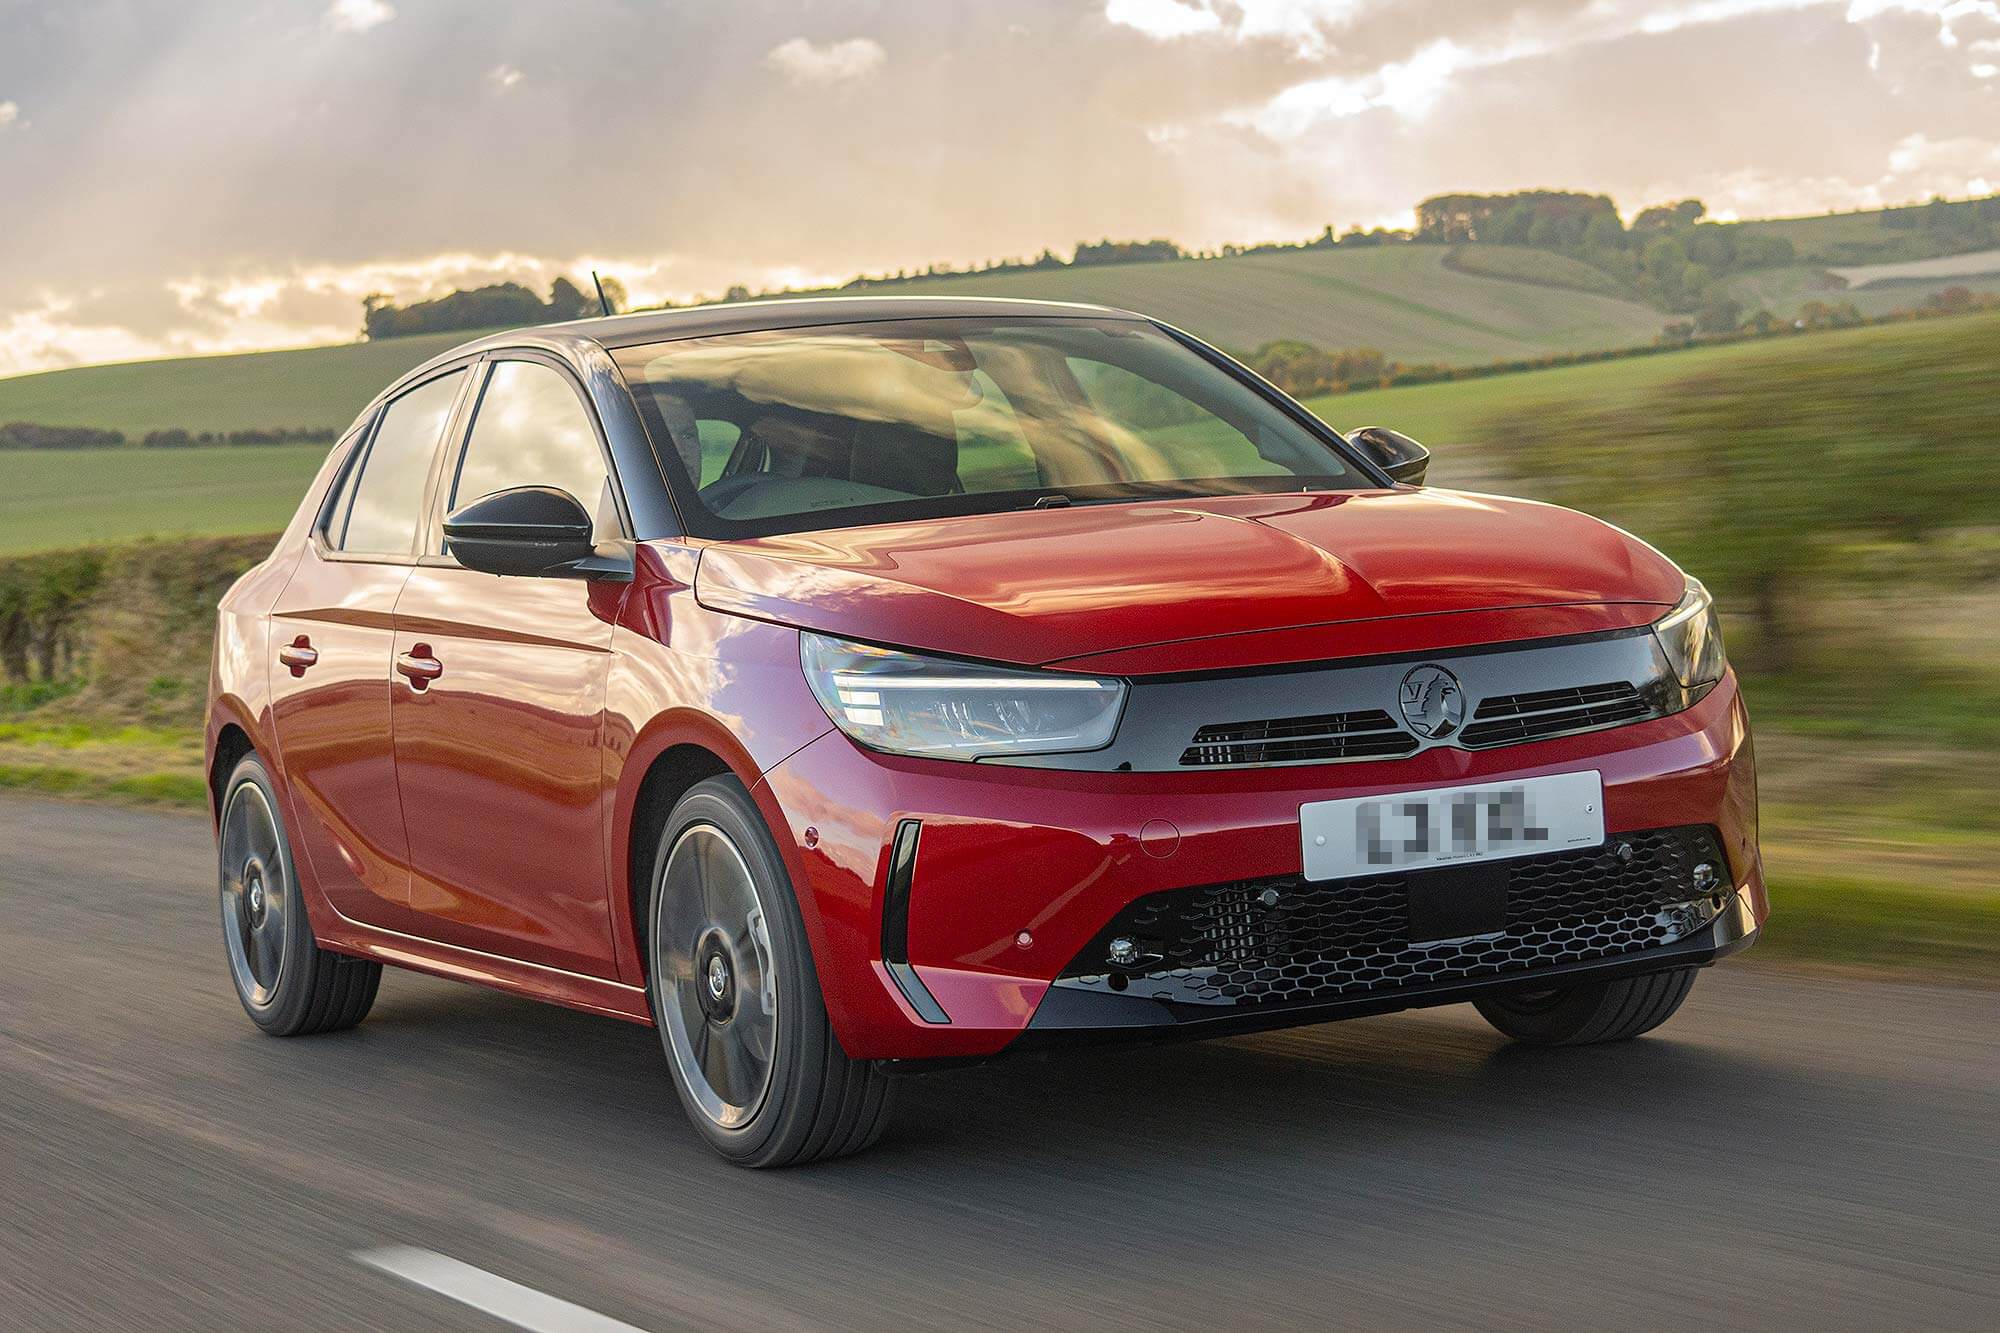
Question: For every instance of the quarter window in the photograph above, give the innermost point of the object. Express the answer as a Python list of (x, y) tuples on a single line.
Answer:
[(388, 485), (531, 430)]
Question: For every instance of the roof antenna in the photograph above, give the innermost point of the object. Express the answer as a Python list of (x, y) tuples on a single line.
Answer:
[(603, 302)]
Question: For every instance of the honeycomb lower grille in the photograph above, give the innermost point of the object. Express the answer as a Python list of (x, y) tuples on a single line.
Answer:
[(1367, 734), (1286, 940), (1509, 719)]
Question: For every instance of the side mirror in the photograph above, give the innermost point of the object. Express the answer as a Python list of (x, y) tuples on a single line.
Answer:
[(525, 530), (1394, 452)]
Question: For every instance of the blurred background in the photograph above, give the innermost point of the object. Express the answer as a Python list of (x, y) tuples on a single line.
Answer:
[(1725, 272)]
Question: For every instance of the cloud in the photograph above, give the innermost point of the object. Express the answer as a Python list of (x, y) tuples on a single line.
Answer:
[(1163, 20), (201, 181), (357, 15), (1304, 26), (10, 116), (850, 61)]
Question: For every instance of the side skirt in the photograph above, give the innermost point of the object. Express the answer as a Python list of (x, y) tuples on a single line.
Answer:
[(572, 990)]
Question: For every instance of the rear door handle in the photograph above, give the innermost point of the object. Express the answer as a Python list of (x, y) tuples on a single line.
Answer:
[(419, 666), (298, 655)]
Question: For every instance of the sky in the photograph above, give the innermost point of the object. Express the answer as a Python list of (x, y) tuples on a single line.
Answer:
[(183, 176)]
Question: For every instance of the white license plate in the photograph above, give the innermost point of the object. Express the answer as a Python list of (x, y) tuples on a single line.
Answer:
[(1379, 835)]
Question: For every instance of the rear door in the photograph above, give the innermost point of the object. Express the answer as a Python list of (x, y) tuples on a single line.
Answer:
[(333, 633), (499, 701)]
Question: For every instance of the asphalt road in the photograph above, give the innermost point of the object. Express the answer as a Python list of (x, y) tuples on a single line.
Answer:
[(1788, 1152)]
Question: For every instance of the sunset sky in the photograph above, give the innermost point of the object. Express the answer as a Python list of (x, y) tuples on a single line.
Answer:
[(202, 175)]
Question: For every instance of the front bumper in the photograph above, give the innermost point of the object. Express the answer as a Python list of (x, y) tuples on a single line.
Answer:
[(1021, 869), (1070, 1015)]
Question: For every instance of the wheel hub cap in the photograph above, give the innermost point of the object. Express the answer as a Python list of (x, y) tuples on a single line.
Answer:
[(253, 880), (717, 994)]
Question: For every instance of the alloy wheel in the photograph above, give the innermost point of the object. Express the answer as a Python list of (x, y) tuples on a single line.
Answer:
[(717, 991), (256, 893)]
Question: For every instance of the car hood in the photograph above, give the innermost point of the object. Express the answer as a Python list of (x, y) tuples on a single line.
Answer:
[(1183, 585)]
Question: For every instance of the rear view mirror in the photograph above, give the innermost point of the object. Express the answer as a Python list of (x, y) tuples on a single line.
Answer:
[(525, 530), (1394, 452)]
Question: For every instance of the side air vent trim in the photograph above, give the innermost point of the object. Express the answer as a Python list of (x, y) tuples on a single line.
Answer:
[(896, 923)]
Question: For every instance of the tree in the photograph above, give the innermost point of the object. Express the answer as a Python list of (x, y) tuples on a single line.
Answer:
[(567, 301), (614, 294), (1719, 313), (1665, 217), (1604, 232)]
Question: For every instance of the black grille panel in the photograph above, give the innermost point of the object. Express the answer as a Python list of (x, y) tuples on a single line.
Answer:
[(1510, 719), (1370, 733), (1222, 945)]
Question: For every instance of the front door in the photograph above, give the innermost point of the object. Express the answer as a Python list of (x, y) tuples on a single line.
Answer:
[(333, 638), (499, 703)]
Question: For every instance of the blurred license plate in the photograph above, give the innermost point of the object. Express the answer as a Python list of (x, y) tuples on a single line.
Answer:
[(1377, 835)]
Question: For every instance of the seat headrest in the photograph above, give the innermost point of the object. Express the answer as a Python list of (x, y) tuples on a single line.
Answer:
[(901, 457)]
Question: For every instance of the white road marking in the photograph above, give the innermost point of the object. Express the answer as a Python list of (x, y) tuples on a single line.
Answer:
[(524, 1307)]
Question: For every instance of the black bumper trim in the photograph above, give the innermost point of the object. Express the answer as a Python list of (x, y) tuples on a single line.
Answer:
[(1068, 1015), (896, 924)]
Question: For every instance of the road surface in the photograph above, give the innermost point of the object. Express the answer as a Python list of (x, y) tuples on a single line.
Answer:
[(1797, 1152)]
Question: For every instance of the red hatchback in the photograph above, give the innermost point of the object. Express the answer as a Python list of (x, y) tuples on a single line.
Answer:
[(844, 685)]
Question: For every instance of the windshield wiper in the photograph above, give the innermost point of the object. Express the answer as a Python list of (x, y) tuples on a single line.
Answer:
[(1055, 500)]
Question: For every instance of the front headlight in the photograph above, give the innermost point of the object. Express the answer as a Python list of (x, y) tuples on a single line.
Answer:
[(1691, 636), (909, 704)]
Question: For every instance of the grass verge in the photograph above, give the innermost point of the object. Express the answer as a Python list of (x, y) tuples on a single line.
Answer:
[(182, 790), (1938, 933)]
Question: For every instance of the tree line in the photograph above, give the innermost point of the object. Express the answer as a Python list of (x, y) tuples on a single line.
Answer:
[(33, 435), (1671, 256), (1304, 370), (503, 304)]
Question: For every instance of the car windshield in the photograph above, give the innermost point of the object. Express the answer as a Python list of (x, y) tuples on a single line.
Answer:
[(796, 429)]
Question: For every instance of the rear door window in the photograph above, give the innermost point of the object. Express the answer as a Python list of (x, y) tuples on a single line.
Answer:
[(386, 506)]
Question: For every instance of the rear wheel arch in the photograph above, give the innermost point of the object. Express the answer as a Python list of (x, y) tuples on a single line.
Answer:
[(232, 742)]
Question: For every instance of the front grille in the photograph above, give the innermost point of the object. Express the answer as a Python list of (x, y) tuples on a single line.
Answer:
[(1509, 719), (1221, 945), (1370, 733)]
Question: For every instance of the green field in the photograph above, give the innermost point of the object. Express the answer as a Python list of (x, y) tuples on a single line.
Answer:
[(1945, 268), (311, 388), (81, 497), (78, 497), (1401, 300), (1783, 291), (1856, 238)]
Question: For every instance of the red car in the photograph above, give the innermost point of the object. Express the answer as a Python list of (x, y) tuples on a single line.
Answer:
[(841, 686)]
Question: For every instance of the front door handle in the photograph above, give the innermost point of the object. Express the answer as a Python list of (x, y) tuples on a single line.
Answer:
[(298, 655), (419, 666)]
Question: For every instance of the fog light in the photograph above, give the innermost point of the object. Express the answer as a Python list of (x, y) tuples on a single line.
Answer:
[(1704, 877), (1124, 951)]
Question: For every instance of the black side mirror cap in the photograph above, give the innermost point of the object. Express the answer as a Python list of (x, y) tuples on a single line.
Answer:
[(1394, 452), (523, 531)]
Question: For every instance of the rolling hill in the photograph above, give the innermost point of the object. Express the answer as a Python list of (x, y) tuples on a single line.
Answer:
[(313, 388), (1410, 302), (62, 498)]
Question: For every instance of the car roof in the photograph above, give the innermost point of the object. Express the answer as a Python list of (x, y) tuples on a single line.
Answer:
[(749, 316), (575, 337)]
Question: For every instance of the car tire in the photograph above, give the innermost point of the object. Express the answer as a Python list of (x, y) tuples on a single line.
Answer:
[(289, 986), (737, 1000), (1585, 1015)]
